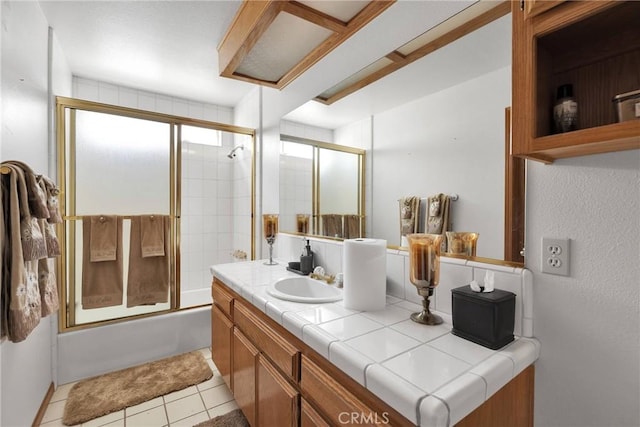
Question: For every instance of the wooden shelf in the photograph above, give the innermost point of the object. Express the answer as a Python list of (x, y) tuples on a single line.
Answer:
[(595, 47), (602, 139)]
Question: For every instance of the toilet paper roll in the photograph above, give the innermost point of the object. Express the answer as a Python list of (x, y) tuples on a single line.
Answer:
[(365, 274)]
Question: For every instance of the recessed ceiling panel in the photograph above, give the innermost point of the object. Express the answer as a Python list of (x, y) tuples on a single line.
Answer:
[(342, 10), (447, 26), (366, 71), (285, 43)]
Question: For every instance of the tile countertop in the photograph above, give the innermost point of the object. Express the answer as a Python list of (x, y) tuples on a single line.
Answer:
[(387, 352)]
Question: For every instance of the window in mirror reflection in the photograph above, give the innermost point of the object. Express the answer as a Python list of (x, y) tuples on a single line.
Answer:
[(321, 188), (296, 183)]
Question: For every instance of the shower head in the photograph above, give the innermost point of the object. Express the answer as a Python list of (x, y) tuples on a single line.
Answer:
[(232, 153)]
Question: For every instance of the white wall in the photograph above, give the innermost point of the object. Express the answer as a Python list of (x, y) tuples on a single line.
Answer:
[(588, 323), (448, 142), (27, 366)]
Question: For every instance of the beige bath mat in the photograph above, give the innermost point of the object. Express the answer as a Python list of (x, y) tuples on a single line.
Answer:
[(231, 419), (101, 395)]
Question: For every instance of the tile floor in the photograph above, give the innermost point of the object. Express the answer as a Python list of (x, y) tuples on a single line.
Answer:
[(183, 408)]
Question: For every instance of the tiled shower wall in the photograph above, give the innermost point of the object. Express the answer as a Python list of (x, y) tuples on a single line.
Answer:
[(214, 187), (453, 273)]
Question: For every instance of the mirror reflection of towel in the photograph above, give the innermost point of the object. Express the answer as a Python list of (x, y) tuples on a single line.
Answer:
[(102, 280), (149, 277), (351, 226), (409, 215), (438, 221), (332, 225)]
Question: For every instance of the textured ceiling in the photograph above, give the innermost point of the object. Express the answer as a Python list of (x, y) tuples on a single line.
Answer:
[(169, 47), (161, 46)]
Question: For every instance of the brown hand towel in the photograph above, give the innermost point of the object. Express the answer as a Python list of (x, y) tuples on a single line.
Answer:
[(152, 235), (149, 277), (37, 197), (48, 287), (409, 215), (34, 246), (20, 293), (101, 281), (33, 241), (104, 238), (351, 226), (51, 192), (50, 237)]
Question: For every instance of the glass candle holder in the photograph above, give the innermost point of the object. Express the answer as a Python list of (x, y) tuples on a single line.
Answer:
[(424, 272), (302, 221), (270, 230), (462, 243)]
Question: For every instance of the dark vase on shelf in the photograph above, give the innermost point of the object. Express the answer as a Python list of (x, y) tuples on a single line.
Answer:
[(565, 110)]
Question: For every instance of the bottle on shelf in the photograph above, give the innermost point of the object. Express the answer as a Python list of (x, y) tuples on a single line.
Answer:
[(565, 110)]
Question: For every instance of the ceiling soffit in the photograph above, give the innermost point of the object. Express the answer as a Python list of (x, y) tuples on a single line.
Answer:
[(465, 22), (273, 42)]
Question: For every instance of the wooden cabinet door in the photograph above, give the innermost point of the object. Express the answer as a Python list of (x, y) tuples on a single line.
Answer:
[(278, 401), (245, 357), (592, 45), (221, 343), (309, 417)]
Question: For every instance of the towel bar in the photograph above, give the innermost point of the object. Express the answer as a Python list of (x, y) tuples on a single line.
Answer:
[(453, 197), (80, 217)]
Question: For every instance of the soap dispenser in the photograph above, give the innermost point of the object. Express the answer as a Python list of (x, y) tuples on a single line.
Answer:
[(306, 259)]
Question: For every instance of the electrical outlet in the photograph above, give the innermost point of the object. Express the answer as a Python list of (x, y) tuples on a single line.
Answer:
[(555, 256)]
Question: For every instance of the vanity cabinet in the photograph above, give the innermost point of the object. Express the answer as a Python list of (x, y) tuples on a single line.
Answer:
[(266, 364), (332, 399), (222, 343), (278, 380), (245, 358), (278, 400), (595, 47)]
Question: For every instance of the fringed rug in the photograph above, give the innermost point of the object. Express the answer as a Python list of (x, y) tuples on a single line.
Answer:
[(231, 419), (101, 395)]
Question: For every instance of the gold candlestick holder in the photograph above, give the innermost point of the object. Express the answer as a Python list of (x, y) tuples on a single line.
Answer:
[(424, 274), (462, 242), (302, 223), (270, 228)]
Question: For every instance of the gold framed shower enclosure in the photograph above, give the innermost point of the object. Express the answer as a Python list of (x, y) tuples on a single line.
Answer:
[(66, 112)]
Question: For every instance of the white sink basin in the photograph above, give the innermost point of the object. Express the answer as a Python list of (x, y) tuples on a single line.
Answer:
[(304, 289)]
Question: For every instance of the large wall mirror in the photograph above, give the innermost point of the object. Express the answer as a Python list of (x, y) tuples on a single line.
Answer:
[(321, 188), (451, 139)]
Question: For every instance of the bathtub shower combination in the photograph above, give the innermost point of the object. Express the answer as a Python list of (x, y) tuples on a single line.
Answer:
[(149, 202)]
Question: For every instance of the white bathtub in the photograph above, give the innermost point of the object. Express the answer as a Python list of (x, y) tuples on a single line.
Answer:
[(95, 351)]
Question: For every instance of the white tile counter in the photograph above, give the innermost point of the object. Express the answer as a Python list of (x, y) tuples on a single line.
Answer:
[(427, 374)]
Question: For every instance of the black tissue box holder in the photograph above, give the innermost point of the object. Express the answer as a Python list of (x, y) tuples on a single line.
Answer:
[(486, 318)]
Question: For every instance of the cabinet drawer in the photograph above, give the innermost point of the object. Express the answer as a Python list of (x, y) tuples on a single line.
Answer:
[(221, 297), (284, 355), (334, 401), (309, 417)]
